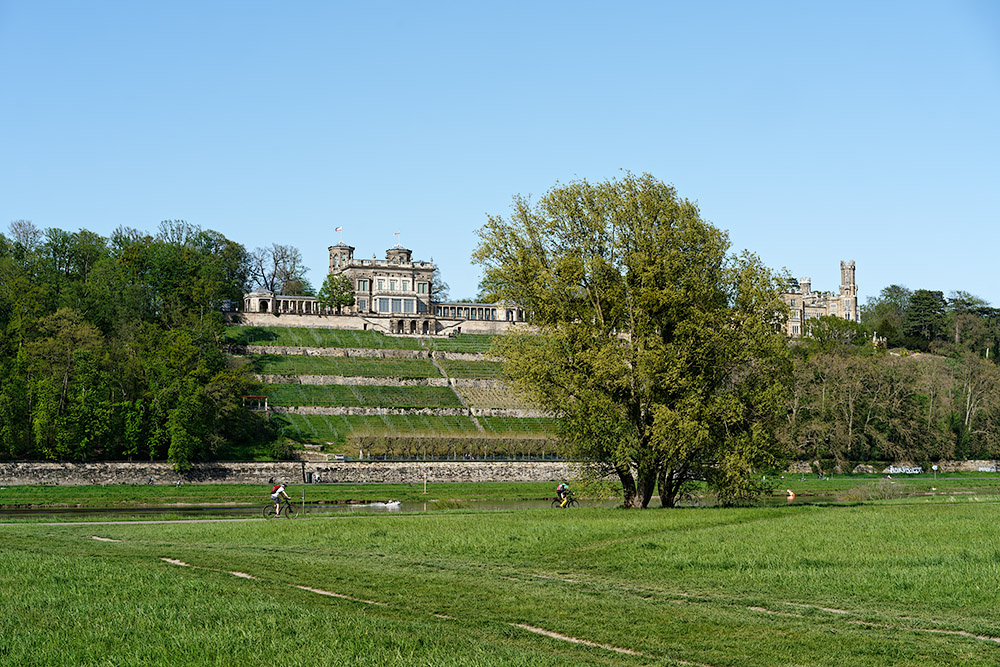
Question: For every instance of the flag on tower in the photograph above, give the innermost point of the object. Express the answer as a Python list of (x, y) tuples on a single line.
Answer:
[(339, 229), (395, 233)]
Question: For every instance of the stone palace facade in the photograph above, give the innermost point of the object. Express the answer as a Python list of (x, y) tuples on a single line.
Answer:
[(804, 304), (392, 295)]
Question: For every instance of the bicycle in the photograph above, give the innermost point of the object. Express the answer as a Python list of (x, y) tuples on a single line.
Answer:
[(285, 509), (570, 502)]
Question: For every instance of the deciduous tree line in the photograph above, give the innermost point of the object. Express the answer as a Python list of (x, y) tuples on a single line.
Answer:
[(111, 346), (916, 380)]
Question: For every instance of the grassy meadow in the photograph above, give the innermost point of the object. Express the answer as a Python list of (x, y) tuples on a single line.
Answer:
[(871, 584)]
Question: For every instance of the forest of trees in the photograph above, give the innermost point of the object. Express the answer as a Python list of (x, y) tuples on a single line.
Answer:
[(111, 347), (916, 380)]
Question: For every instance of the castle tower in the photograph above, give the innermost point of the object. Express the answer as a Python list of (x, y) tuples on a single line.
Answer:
[(341, 256), (849, 292), (848, 286)]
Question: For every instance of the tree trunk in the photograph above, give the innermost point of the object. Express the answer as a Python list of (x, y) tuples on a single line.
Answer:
[(669, 485), (637, 489), (628, 486)]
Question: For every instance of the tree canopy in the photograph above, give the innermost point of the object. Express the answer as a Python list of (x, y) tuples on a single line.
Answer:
[(658, 352), (111, 346), (336, 292), (279, 270)]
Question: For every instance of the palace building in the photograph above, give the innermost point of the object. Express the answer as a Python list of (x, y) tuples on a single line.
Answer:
[(394, 295), (805, 304)]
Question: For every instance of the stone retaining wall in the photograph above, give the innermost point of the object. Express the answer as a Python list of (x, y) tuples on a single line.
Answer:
[(379, 353), (363, 411), (351, 322), (356, 380), (358, 472), (359, 380), (805, 467)]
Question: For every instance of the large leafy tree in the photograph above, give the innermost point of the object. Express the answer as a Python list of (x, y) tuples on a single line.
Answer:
[(883, 315), (336, 292), (657, 351), (924, 319)]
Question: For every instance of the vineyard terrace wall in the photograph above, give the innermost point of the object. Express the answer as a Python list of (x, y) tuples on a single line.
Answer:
[(356, 472)]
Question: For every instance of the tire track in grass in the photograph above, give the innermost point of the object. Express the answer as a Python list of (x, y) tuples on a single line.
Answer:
[(892, 624), (934, 631), (731, 601), (530, 628), (336, 595), (709, 598), (585, 642)]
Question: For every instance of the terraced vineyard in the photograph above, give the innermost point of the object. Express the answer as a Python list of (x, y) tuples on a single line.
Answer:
[(287, 364), (303, 337), (336, 428), (507, 425), (471, 343), (471, 369), (362, 396), (499, 397), (424, 420)]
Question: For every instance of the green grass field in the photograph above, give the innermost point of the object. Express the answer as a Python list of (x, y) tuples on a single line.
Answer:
[(122, 496), (303, 337), (335, 428), (362, 395), (910, 584), (276, 364)]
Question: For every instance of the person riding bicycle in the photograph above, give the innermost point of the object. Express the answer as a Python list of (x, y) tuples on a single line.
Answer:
[(563, 492), (277, 491)]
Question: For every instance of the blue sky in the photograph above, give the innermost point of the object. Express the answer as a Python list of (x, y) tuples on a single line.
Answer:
[(811, 131)]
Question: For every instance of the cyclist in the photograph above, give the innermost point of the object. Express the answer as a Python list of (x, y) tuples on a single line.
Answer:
[(563, 492), (277, 491)]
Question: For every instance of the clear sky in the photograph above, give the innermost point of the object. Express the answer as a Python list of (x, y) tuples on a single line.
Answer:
[(811, 131)]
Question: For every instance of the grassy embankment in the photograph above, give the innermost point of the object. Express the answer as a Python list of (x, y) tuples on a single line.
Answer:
[(304, 337), (806, 585)]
